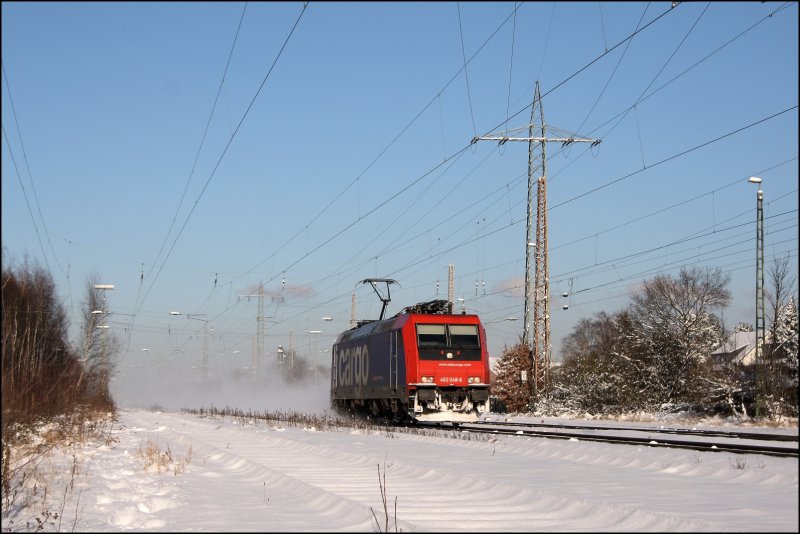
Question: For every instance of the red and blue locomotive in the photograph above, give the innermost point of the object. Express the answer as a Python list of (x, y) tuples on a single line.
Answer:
[(425, 363)]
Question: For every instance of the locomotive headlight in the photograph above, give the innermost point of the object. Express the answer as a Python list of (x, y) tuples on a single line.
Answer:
[(427, 380), (474, 380)]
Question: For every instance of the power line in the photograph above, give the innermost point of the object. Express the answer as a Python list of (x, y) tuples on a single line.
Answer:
[(457, 153), (194, 164), (511, 62), (466, 76), (696, 147), (225, 150), (25, 194), (203, 139), (614, 71), (30, 174), (384, 150), (592, 62), (662, 210)]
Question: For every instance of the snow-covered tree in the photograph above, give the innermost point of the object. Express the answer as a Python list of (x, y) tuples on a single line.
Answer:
[(593, 377), (782, 284), (782, 373), (786, 334), (778, 369), (670, 328), (743, 327), (509, 386)]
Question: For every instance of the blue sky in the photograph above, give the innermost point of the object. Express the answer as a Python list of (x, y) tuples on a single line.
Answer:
[(353, 160)]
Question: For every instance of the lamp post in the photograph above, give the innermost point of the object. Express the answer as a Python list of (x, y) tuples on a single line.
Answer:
[(314, 333), (760, 315), (104, 368), (196, 317), (100, 313), (280, 355)]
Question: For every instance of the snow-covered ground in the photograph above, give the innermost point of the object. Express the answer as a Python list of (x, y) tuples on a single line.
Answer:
[(240, 474)]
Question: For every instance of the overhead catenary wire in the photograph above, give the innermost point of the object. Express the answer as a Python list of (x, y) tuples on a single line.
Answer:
[(222, 155), (614, 70), (30, 175), (510, 62), (651, 93), (669, 158), (674, 156), (199, 150), (622, 114), (586, 66), (464, 243), (385, 149), (420, 223), (466, 75), (458, 152), (202, 140), (25, 195)]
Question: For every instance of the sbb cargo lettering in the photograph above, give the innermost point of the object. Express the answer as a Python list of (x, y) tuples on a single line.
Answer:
[(353, 366)]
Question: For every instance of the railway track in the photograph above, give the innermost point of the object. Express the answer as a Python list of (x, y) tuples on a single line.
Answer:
[(739, 442)]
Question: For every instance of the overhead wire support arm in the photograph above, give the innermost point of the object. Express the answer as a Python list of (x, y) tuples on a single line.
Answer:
[(505, 138)]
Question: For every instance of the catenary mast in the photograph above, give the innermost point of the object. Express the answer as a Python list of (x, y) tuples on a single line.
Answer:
[(537, 294)]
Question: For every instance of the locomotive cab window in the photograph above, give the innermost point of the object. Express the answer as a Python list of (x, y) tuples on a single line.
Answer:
[(450, 342), (431, 335), (464, 335)]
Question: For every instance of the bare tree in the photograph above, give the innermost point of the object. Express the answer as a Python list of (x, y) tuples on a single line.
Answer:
[(672, 329), (778, 368), (98, 347), (782, 286), (38, 367), (593, 376)]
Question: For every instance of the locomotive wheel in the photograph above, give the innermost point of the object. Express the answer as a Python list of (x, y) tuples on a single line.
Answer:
[(374, 408)]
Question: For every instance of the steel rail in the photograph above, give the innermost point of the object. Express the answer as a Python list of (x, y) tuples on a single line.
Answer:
[(674, 430), (649, 441)]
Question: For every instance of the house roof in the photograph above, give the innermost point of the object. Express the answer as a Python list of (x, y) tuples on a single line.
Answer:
[(739, 346), (736, 342)]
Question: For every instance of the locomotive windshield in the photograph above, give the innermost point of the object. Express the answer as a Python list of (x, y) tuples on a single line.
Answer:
[(448, 342), (464, 335), (432, 335)]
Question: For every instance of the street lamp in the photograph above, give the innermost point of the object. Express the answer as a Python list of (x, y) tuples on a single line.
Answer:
[(760, 315), (104, 357), (280, 352), (196, 317), (314, 333)]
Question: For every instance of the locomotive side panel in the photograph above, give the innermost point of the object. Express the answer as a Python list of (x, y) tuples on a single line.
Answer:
[(369, 367)]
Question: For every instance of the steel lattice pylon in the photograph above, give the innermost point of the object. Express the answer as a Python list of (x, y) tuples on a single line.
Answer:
[(537, 294), (540, 349)]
